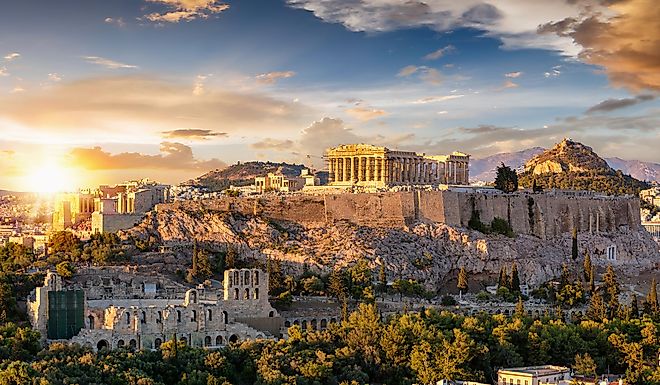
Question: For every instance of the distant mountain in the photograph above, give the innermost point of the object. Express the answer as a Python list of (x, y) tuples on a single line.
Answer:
[(241, 174), (573, 166), (484, 169), (647, 171)]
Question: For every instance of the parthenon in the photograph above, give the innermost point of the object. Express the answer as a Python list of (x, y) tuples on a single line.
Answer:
[(373, 166)]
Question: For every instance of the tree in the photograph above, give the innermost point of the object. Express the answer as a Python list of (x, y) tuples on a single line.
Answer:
[(515, 280), (652, 297), (382, 279), (503, 280), (65, 269), (337, 285), (634, 308), (592, 284), (462, 280), (506, 179), (587, 267), (574, 246), (585, 365), (201, 265), (230, 258), (611, 290), (597, 309), (520, 308)]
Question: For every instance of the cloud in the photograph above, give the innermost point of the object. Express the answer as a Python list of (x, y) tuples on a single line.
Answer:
[(553, 73), (139, 108), (54, 77), (272, 77), (186, 10), (623, 39), (173, 156), (615, 104), (436, 99), (274, 144), (426, 74), (111, 64), (12, 56), (193, 134), (508, 84), (17, 89), (439, 53), (513, 75), (365, 114), (3, 71), (198, 87), (118, 22)]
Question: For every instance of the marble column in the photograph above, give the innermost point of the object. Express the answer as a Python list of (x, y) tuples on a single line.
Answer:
[(369, 170)]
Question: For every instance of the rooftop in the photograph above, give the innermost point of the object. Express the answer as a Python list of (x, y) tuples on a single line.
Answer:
[(543, 370)]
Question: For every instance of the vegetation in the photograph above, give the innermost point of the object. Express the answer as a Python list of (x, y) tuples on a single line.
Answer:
[(610, 182), (506, 179), (497, 225)]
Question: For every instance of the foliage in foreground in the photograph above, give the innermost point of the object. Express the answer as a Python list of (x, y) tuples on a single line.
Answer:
[(416, 347)]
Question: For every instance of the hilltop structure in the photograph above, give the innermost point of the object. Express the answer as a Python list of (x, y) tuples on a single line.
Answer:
[(373, 166), (113, 309)]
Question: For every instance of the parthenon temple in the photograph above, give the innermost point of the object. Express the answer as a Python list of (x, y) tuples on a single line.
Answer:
[(373, 166)]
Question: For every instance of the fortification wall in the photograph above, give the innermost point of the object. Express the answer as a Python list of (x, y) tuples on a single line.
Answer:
[(543, 215)]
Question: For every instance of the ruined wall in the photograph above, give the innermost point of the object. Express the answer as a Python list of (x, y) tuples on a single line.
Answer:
[(544, 215)]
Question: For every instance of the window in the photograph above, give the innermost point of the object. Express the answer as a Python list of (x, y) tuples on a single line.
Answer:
[(178, 316), (256, 278), (236, 293), (256, 293), (236, 278), (194, 316), (160, 317), (247, 294), (143, 319), (128, 318), (611, 253), (225, 317), (210, 315), (247, 277)]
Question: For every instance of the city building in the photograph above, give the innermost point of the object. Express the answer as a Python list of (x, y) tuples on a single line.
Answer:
[(651, 196), (111, 309), (373, 166), (534, 375)]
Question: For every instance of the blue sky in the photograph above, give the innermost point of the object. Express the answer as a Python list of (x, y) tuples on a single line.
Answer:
[(169, 88)]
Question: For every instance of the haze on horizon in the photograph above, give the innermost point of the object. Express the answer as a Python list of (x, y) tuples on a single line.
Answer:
[(169, 89)]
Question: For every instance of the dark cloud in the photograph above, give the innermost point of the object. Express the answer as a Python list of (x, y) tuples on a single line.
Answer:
[(173, 156), (193, 134), (615, 104)]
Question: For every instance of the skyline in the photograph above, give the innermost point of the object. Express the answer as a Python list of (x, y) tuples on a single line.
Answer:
[(169, 89)]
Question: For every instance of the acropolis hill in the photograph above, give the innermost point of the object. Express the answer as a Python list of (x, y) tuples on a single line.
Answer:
[(415, 234)]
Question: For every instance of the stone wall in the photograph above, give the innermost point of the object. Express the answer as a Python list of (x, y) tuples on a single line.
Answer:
[(544, 215)]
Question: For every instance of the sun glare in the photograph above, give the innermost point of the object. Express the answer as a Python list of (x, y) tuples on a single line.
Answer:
[(50, 178)]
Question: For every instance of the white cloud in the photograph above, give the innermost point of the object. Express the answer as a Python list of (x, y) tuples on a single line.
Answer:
[(118, 21), (439, 53), (54, 77), (365, 113), (3, 71), (17, 89), (427, 74), (111, 64), (12, 56), (186, 10), (272, 77), (436, 99), (198, 87), (553, 73), (513, 74)]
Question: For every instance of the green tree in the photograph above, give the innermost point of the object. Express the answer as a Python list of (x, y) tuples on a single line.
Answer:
[(585, 365), (587, 267), (634, 307), (652, 297), (337, 284), (503, 280), (65, 245), (382, 279), (574, 245), (514, 286), (462, 280), (597, 308), (592, 284), (506, 179), (201, 268), (611, 290), (520, 308), (65, 269)]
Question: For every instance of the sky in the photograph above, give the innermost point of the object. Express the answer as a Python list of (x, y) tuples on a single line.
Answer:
[(97, 92)]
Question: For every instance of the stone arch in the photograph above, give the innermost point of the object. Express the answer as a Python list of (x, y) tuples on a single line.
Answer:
[(209, 314), (178, 316), (236, 279), (102, 345), (236, 293), (256, 293), (193, 317), (296, 323), (218, 340), (143, 317), (207, 341), (323, 323), (255, 279), (246, 277), (233, 338), (303, 325), (132, 344), (90, 321), (247, 294), (157, 343), (312, 324), (271, 314), (287, 324), (225, 317), (128, 318), (121, 343)]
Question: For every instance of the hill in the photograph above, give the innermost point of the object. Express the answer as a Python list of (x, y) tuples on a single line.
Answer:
[(647, 171), (484, 169), (574, 166), (241, 174)]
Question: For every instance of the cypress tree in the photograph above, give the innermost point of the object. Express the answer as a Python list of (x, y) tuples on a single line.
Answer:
[(592, 284), (597, 310), (462, 279), (515, 280), (587, 266), (574, 248), (504, 279), (520, 307), (634, 309), (612, 291), (652, 297)]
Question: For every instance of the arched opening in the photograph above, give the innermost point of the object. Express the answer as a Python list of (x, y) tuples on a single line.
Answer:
[(210, 315), (157, 343), (287, 324), (90, 321), (303, 325), (236, 278), (271, 314), (143, 319), (120, 343), (247, 277), (333, 320), (193, 318), (247, 294), (218, 340), (160, 317), (102, 345), (256, 278), (236, 293), (193, 296), (324, 324), (225, 317), (132, 344), (233, 339), (296, 323), (178, 316), (128, 318), (256, 293), (207, 341), (312, 324)]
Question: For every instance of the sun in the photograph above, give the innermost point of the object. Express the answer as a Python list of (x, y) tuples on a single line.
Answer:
[(50, 178)]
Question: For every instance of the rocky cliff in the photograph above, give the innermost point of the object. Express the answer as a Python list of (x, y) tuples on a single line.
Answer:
[(429, 251)]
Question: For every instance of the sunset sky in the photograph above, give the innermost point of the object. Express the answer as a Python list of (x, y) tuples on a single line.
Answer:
[(98, 91)]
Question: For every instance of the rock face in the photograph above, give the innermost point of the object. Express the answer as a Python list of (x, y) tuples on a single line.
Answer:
[(567, 156), (429, 251)]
